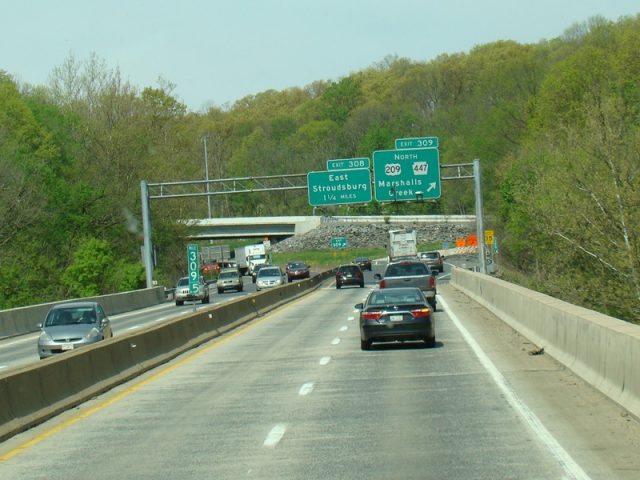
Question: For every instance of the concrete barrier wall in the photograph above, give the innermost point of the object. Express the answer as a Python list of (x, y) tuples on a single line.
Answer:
[(603, 350), (18, 321), (33, 394)]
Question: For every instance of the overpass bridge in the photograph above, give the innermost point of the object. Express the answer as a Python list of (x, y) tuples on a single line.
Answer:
[(286, 226)]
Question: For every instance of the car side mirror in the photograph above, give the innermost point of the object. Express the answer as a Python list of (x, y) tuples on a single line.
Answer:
[(104, 322), (359, 306), (377, 276), (443, 257)]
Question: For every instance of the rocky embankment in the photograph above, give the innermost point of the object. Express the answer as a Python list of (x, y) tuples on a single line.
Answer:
[(370, 235)]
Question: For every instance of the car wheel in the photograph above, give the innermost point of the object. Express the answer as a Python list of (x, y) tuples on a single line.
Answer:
[(179, 303), (338, 286), (240, 288), (219, 291), (206, 299), (289, 280), (430, 342), (365, 344), (433, 305), (362, 285)]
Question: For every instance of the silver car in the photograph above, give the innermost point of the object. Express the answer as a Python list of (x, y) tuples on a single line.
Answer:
[(72, 325), (183, 291), (229, 279), (269, 277)]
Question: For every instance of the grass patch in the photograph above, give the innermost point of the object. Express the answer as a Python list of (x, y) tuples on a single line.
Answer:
[(338, 257)]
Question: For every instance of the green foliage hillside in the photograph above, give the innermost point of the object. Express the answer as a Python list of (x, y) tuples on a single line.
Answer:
[(555, 125)]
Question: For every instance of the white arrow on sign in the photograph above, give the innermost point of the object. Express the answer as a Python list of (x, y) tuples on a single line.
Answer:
[(432, 186)]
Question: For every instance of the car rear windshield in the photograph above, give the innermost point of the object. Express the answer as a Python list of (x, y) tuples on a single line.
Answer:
[(406, 269), (297, 265), (349, 269), (183, 282), (228, 275), (431, 255)]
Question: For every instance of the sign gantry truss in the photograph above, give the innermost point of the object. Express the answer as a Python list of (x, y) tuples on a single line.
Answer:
[(224, 186), (269, 183)]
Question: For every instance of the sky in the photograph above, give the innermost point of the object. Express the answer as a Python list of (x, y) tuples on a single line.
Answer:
[(216, 52)]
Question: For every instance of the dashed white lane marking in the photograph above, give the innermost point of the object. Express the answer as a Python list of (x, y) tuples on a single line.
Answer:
[(325, 360), (344, 329), (5, 366), (570, 467), (350, 318), (306, 389), (335, 341), (162, 319), (275, 435), (133, 328)]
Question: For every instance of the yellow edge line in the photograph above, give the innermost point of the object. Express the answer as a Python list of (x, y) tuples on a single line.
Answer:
[(87, 413)]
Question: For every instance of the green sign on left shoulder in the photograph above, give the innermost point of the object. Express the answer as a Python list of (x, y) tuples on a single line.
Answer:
[(193, 268)]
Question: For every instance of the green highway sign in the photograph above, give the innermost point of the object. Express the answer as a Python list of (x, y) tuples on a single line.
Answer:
[(420, 142), (337, 187), (193, 268), (348, 163), (401, 175), (338, 242)]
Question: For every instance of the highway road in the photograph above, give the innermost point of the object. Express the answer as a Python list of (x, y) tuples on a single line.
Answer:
[(292, 396)]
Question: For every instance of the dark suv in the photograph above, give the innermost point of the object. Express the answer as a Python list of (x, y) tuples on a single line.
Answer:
[(349, 275), (433, 260), (363, 262)]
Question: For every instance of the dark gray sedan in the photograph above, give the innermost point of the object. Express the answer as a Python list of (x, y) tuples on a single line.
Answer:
[(72, 325), (396, 314)]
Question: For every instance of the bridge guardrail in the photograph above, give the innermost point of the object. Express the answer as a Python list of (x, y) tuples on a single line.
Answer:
[(603, 350)]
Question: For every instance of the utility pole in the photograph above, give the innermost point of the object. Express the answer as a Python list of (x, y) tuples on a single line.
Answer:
[(206, 174), (479, 219)]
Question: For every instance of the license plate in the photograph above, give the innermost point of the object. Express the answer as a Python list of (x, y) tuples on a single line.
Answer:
[(395, 318), (349, 276), (67, 346)]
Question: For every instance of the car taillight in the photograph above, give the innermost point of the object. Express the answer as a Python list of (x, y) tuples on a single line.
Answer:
[(358, 274), (432, 281), (382, 284), (371, 315), (421, 312)]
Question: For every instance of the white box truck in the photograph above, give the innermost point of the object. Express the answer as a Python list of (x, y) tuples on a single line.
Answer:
[(402, 244), (249, 256)]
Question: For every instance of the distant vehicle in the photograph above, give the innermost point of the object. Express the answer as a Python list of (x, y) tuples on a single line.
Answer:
[(183, 292), (433, 260), (268, 277), (228, 264), (363, 262), (248, 256), (72, 325), (256, 269), (211, 267), (229, 279), (349, 274), (297, 270), (409, 273), (403, 244), (396, 314)]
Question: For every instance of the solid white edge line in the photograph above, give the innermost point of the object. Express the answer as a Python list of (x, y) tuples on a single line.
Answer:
[(344, 328), (335, 341), (325, 360), (567, 463), (306, 389), (275, 435)]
